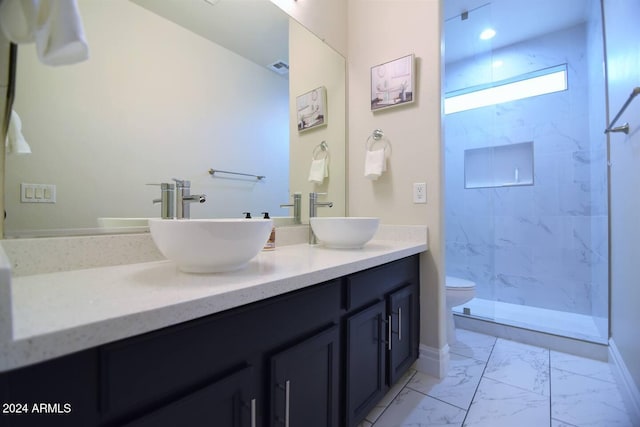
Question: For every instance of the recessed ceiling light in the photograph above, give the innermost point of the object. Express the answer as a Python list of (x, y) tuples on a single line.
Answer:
[(497, 63), (487, 34)]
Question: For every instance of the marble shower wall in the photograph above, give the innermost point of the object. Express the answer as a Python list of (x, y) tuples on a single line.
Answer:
[(542, 245)]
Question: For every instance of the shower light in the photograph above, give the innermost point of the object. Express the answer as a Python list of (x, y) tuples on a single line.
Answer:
[(488, 34)]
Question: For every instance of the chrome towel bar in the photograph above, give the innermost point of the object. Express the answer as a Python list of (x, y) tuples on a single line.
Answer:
[(624, 128), (214, 171)]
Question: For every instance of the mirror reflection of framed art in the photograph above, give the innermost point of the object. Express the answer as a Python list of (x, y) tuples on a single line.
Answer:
[(311, 109)]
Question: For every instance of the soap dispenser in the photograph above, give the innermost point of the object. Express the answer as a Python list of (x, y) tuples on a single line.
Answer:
[(271, 242)]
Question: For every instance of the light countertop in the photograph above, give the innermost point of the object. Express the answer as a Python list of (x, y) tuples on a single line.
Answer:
[(58, 313)]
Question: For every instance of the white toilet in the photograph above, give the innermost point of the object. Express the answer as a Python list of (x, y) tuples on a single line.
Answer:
[(458, 292)]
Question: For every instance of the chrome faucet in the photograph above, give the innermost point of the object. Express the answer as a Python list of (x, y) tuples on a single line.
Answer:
[(314, 204), (297, 207), (167, 192), (184, 198)]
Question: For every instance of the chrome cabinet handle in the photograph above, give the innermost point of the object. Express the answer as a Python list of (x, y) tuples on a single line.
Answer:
[(399, 323), (253, 413), (389, 331), (287, 393)]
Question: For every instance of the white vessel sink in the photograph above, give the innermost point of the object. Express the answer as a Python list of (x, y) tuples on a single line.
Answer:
[(210, 245), (344, 232)]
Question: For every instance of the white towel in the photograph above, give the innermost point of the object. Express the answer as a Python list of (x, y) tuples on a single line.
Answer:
[(15, 142), (375, 163), (319, 170), (54, 25)]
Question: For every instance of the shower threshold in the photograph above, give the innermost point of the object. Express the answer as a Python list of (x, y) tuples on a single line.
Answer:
[(555, 322)]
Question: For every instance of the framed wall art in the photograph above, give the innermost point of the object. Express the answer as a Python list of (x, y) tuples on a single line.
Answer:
[(393, 83), (312, 109)]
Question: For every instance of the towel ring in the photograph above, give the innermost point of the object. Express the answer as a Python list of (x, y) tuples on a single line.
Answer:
[(378, 136), (320, 148)]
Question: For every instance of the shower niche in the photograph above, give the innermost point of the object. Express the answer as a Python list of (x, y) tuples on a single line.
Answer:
[(499, 166)]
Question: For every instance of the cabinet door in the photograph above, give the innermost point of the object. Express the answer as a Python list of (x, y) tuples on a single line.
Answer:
[(228, 402), (304, 382), (402, 310), (365, 361), (59, 392)]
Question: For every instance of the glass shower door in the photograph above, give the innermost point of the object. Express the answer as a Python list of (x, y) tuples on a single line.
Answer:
[(525, 171)]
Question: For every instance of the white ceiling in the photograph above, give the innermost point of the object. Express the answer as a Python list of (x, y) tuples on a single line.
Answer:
[(513, 20), (255, 29), (258, 29)]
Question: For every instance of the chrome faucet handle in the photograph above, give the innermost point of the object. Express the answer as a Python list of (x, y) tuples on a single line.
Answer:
[(200, 198), (184, 198)]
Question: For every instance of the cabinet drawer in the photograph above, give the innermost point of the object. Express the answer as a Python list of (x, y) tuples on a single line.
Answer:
[(371, 285)]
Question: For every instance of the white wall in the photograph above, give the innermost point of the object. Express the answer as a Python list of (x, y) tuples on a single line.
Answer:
[(379, 31), (623, 64), (327, 19), (153, 102)]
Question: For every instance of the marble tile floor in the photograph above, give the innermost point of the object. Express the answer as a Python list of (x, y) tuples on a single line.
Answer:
[(493, 382)]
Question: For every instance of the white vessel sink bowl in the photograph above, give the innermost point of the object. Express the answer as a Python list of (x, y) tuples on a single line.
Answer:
[(210, 245), (344, 232)]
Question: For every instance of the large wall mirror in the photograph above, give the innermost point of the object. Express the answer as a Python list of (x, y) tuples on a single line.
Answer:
[(170, 92)]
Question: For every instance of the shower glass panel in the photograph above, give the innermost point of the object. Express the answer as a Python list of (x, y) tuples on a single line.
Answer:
[(469, 213), (538, 253)]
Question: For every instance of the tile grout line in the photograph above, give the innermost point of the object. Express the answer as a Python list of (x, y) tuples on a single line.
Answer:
[(550, 391), (435, 398), (478, 386), (392, 400)]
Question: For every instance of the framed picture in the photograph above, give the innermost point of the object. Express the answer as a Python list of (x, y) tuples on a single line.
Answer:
[(311, 109), (393, 83)]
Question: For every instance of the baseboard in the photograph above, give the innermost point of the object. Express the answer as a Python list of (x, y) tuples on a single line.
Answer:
[(433, 361), (628, 387)]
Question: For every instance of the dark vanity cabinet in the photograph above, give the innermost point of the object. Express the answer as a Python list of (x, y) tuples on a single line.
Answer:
[(320, 356), (382, 333)]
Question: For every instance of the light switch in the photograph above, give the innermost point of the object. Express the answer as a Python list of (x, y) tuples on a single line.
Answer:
[(37, 193)]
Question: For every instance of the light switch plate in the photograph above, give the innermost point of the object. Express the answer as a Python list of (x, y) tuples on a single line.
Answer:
[(37, 193)]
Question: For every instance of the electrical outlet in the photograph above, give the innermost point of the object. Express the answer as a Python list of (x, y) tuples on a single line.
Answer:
[(419, 192)]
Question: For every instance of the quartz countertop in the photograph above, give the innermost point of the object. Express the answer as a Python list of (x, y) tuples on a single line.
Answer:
[(58, 313)]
